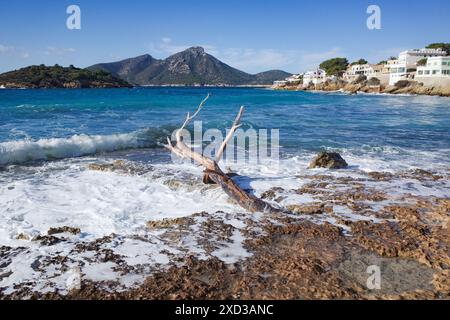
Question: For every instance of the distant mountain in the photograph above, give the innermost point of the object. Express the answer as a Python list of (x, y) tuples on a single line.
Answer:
[(59, 77), (190, 67), (126, 69), (271, 76)]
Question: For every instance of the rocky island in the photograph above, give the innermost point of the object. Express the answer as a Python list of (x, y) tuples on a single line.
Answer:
[(34, 77)]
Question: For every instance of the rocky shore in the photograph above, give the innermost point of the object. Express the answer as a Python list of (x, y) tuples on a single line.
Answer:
[(322, 250), (371, 86)]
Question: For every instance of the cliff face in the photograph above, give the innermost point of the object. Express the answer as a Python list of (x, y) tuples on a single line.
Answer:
[(190, 67)]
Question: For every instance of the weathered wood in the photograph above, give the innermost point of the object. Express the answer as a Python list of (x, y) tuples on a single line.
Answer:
[(244, 199), (213, 173)]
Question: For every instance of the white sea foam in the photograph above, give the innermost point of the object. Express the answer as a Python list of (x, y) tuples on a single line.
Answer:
[(66, 193), (99, 203), (18, 152)]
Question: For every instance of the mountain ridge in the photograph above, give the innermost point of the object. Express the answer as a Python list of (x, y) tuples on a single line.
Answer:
[(192, 66)]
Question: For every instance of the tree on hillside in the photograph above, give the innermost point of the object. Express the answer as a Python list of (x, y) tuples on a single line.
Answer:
[(382, 62), (334, 67), (444, 46), (360, 61)]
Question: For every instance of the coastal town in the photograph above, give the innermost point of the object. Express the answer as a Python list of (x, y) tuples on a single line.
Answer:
[(416, 71)]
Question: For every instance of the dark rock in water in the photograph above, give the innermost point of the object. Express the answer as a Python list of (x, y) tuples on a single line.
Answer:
[(330, 160), (47, 240), (167, 223), (272, 193), (309, 209), (64, 229)]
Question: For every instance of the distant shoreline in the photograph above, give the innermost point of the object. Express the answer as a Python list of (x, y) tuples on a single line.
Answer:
[(157, 86), (407, 88)]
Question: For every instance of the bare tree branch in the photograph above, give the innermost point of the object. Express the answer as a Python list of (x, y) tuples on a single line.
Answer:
[(212, 170), (236, 125)]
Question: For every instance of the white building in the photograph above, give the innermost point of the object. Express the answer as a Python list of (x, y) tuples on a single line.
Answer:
[(406, 65), (294, 78), (314, 77), (435, 67), (279, 83), (368, 70), (387, 67), (436, 73)]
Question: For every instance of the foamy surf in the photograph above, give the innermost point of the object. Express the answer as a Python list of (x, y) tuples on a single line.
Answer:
[(23, 151)]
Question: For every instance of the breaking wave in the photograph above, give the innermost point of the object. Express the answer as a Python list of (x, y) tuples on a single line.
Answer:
[(23, 151)]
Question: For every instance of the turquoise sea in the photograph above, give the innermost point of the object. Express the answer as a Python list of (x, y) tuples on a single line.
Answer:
[(49, 140), (384, 127)]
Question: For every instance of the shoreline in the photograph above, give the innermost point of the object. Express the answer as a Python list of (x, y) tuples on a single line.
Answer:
[(154, 86), (321, 251), (409, 88)]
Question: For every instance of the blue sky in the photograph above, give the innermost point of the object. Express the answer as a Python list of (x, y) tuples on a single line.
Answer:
[(251, 35)]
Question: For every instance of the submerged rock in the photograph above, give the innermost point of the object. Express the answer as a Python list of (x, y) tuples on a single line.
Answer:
[(23, 236), (168, 222), (116, 165), (309, 209), (330, 160), (121, 166)]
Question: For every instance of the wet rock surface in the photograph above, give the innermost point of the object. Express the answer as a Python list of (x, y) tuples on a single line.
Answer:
[(64, 229), (323, 250), (330, 160)]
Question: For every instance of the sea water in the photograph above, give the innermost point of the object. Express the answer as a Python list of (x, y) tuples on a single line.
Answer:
[(48, 139)]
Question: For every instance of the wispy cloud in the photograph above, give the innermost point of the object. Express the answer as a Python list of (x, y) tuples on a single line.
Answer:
[(264, 59), (257, 60), (6, 49), (254, 60), (13, 51), (58, 51)]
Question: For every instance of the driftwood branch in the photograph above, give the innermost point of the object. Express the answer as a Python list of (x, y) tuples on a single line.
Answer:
[(213, 172), (236, 125)]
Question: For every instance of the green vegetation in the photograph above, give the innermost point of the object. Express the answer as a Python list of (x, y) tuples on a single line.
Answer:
[(59, 77), (444, 46), (335, 66), (422, 62), (360, 61)]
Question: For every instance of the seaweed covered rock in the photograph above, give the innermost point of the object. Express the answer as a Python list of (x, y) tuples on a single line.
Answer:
[(330, 160)]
